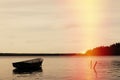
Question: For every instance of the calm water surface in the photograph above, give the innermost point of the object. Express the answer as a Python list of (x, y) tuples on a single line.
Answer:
[(64, 68)]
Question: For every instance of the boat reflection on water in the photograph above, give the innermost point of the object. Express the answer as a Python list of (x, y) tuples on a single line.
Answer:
[(27, 74), (27, 71)]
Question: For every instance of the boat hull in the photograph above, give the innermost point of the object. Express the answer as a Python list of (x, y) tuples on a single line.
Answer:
[(27, 71), (29, 64)]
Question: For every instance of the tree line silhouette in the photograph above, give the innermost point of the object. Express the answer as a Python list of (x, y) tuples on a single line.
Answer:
[(113, 49)]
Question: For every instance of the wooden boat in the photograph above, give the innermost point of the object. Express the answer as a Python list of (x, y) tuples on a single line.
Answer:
[(29, 64)]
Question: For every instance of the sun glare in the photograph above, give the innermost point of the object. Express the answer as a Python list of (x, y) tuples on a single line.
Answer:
[(88, 15), (90, 21)]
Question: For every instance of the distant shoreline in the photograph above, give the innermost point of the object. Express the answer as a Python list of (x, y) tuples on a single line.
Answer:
[(41, 54), (49, 54)]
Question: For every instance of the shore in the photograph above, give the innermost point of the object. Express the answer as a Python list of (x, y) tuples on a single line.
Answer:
[(41, 54)]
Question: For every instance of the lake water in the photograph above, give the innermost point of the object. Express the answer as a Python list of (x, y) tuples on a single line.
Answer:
[(64, 68)]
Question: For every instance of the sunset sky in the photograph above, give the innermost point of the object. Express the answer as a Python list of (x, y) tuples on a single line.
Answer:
[(58, 25)]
